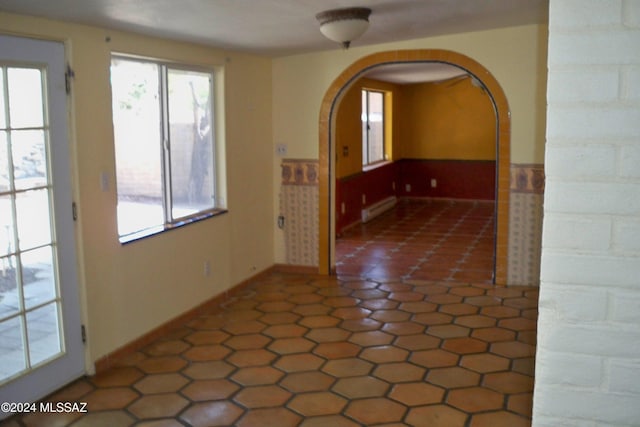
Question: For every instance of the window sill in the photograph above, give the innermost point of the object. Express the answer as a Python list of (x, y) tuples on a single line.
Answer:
[(376, 165), (143, 234)]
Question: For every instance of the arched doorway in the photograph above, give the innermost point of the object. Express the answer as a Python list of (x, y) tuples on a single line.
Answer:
[(327, 149)]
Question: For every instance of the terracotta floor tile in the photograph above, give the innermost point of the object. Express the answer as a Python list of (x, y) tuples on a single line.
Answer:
[(417, 394), (360, 387), (158, 406), (499, 419), (264, 396), (453, 377), (109, 398), (410, 347), (291, 345), (328, 420), (375, 411), (475, 399), (211, 414), (244, 358), (508, 382), (485, 362), (202, 390), (269, 417), (120, 376), (350, 367), (436, 416), (104, 419), (307, 381), (208, 370), (371, 338), (399, 372), (298, 362), (317, 403), (160, 383)]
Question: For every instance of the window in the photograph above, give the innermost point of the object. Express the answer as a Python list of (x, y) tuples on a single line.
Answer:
[(163, 122), (372, 127)]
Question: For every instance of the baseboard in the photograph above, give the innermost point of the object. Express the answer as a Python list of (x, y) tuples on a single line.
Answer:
[(296, 269), (109, 360)]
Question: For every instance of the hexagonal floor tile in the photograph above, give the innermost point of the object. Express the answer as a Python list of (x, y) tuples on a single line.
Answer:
[(268, 417), (377, 410), (416, 394), (508, 382), (475, 399), (351, 367), (453, 377), (300, 382), (399, 372), (317, 403), (160, 383), (298, 362), (264, 396), (109, 398), (164, 364), (360, 387), (121, 376), (436, 416), (211, 414), (384, 354), (257, 375), (158, 406), (202, 390)]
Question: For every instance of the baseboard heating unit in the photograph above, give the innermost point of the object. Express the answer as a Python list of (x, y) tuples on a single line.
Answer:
[(378, 208)]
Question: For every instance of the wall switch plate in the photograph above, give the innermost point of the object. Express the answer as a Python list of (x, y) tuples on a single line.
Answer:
[(434, 183), (407, 188)]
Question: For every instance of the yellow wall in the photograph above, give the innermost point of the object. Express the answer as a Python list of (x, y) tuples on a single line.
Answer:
[(349, 125), (447, 120), (130, 289), (516, 56)]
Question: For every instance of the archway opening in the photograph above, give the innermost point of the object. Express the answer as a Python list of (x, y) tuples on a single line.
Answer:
[(327, 150)]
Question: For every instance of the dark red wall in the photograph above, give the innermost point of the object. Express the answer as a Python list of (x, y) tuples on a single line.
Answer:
[(376, 184), (456, 179)]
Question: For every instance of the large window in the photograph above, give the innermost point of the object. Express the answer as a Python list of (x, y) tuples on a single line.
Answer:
[(372, 127), (163, 123)]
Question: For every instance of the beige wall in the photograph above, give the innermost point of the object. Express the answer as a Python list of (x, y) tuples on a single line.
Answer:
[(130, 289), (515, 56)]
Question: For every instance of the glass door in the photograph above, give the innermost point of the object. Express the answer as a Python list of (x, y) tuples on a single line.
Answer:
[(40, 339)]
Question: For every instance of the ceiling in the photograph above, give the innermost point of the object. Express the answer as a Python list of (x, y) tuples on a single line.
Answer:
[(283, 27)]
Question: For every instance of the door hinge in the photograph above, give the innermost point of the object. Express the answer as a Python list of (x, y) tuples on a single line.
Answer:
[(83, 333), (68, 75), (74, 211)]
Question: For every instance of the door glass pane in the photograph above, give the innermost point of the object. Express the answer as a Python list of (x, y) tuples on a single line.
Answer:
[(12, 349), (9, 296), (190, 134), (4, 163), (38, 281), (34, 226), (135, 91), (27, 279), (25, 97), (29, 159), (43, 333), (3, 111)]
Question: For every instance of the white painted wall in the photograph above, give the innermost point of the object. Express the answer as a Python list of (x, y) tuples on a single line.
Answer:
[(588, 360)]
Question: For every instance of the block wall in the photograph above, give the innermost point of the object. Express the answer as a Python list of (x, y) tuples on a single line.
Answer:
[(588, 360)]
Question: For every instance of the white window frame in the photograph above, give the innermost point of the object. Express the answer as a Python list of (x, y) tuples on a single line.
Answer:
[(217, 148)]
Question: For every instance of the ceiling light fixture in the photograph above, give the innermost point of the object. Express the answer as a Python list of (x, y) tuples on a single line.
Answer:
[(344, 25)]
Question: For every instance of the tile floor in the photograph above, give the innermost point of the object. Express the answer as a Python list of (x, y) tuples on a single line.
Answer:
[(295, 350), (434, 240)]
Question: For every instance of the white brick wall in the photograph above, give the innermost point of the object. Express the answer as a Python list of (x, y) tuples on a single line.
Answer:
[(588, 360)]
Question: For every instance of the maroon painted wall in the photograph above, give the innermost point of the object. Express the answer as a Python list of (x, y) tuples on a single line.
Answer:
[(456, 179)]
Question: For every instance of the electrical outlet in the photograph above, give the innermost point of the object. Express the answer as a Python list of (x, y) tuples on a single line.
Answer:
[(364, 199), (206, 269), (343, 208), (281, 150), (434, 183), (407, 188)]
